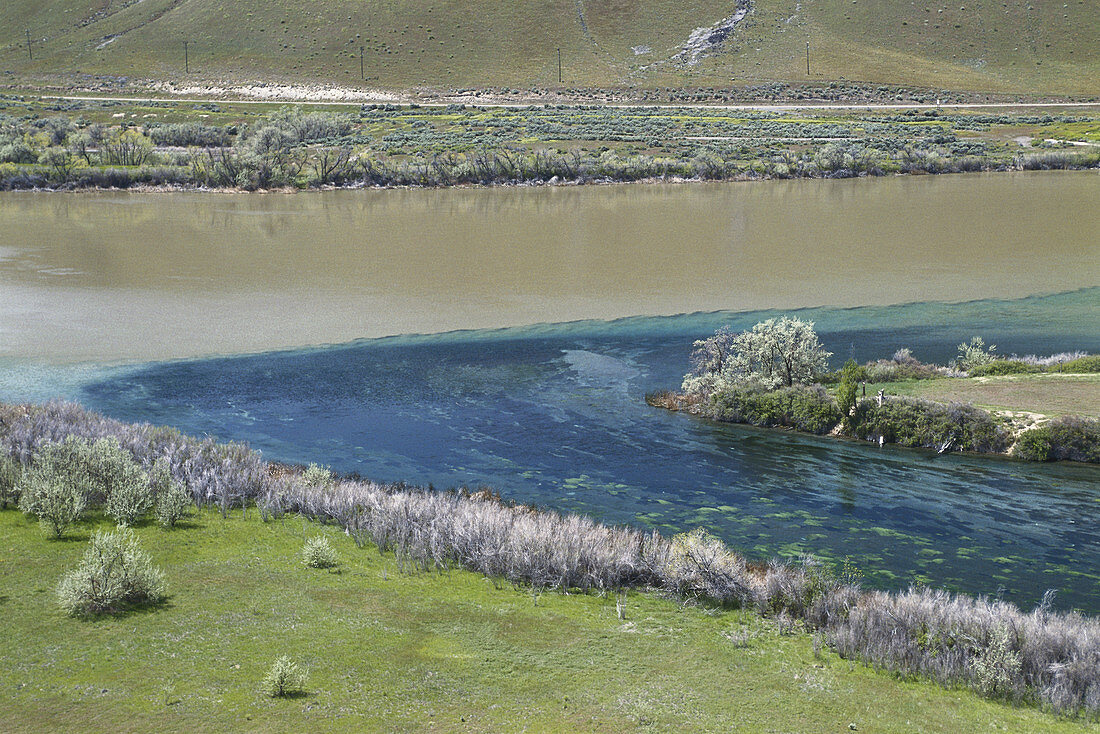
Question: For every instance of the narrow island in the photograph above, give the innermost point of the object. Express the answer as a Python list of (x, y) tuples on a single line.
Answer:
[(775, 375)]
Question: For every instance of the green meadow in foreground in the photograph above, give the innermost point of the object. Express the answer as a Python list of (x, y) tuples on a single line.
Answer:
[(386, 650)]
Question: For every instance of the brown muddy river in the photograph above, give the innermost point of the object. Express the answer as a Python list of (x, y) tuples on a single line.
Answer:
[(125, 276)]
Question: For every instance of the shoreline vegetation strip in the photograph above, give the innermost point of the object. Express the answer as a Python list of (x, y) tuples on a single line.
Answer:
[(1043, 657), (89, 145)]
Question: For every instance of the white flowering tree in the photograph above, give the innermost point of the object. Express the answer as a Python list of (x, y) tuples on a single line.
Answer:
[(774, 353)]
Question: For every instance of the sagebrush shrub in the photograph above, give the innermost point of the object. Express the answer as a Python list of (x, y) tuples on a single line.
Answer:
[(319, 553), (284, 679), (52, 496), (318, 477), (996, 667), (129, 496), (172, 500), (1000, 367), (10, 471), (974, 354), (115, 574)]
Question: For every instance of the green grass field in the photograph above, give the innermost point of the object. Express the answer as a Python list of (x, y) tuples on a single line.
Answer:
[(1017, 46), (1050, 394), (387, 651)]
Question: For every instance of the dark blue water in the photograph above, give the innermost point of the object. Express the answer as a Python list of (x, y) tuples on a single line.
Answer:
[(554, 415)]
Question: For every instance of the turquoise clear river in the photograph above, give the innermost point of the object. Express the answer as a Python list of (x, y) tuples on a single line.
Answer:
[(553, 413)]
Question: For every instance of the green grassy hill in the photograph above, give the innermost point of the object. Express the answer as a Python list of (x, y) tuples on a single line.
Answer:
[(1014, 46), (430, 652)]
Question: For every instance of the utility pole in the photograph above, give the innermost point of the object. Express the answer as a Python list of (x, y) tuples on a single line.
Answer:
[(362, 74), (807, 58), (186, 59), (559, 66), (29, 54)]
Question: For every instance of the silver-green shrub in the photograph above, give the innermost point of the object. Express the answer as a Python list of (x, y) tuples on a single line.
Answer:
[(285, 678), (974, 354), (318, 477), (996, 666), (115, 574), (221, 474), (55, 487), (10, 471), (172, 499), (318, 552), (112, 470), (777, 352), (129, 495)]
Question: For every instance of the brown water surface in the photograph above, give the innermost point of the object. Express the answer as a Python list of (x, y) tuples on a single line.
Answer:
[(124, 276)]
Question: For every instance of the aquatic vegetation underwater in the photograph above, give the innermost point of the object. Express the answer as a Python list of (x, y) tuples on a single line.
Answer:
[(1046, 657)]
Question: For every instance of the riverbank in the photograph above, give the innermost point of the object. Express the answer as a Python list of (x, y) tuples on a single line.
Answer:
[(66, 144), (390, 650), (209, 561)]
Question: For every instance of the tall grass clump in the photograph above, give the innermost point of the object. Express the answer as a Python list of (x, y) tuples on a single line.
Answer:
[(115, 574)]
